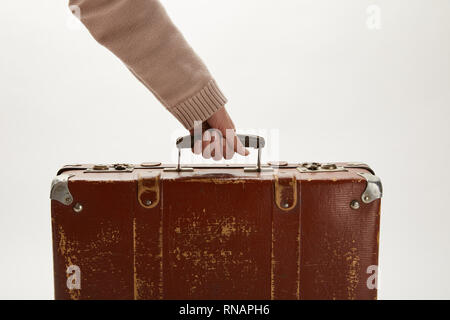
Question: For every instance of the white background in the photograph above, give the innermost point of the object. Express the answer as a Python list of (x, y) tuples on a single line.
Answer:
[(335, 89)]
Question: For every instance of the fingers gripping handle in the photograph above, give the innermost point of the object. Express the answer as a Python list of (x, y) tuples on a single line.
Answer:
[(248, 141)]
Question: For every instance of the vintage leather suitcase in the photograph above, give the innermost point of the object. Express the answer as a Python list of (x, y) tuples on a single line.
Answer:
[(285, 231)]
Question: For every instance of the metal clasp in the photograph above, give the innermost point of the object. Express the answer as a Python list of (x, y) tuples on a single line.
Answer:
[(374, 188), (60, 189), (311, 167)]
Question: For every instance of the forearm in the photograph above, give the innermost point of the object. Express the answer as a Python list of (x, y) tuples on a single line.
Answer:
[(142, 35)]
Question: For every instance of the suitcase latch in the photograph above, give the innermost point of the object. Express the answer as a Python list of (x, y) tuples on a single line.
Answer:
[(103, 168), (312, 167)]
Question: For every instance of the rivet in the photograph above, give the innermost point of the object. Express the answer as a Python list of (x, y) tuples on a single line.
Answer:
[(150, 164), (78, 208), (277, 163), (354, 205), (148, 203), (285, 205), (100, 167), (366, 198), (329, 166)]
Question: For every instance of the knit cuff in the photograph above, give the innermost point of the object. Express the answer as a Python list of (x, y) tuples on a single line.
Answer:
[(199, 107)]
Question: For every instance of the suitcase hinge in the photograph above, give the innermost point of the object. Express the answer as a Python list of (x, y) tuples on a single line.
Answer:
[(60, 189), (148, 190), (285, 191), (374, 189)]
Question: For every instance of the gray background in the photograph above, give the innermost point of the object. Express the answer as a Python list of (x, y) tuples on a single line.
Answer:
[(311, 70)]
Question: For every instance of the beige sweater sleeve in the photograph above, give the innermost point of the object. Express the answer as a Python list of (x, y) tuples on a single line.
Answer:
[(142, 35)]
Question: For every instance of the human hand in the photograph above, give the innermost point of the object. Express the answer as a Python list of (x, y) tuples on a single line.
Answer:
[(219, 138)]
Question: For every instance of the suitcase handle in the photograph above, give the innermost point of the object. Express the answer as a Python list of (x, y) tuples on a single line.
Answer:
[(248, 140)]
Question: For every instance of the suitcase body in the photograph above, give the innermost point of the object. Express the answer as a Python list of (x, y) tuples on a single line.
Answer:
[(291, 231)]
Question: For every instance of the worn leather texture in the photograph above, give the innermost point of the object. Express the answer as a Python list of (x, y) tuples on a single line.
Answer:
[(215, 233)]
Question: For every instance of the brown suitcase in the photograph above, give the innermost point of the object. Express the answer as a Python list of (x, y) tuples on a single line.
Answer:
[(280, 231)]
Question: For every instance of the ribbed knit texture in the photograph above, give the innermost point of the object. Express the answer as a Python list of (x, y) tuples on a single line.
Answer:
[(199, 107), (141, 34)]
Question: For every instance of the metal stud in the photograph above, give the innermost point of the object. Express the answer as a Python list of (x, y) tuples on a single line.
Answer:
[(100, 167), (277, 163), (148, 203), (150, 164), (329, 166), (354, 205), (78, 208)]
